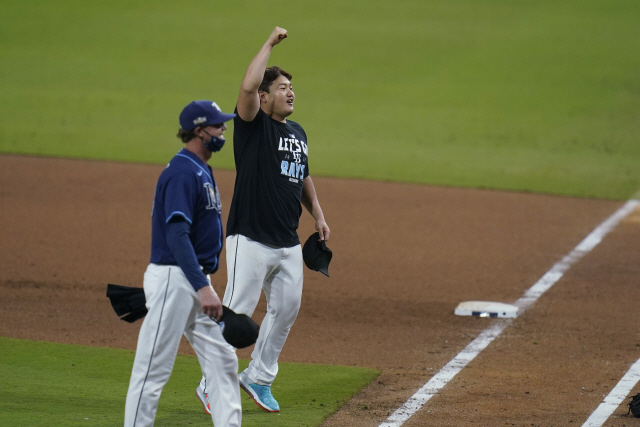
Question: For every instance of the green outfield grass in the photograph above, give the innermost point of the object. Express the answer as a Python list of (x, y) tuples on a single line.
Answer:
[(52, 385), (537, 96)]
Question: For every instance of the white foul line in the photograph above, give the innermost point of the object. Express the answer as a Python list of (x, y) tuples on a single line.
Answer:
[(445, 374), (451, 369), (617, 395)]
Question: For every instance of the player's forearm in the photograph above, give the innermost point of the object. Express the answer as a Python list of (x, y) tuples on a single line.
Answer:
[(316, 211), (310, 202), (310, 199), (255, 72), (184, 254)]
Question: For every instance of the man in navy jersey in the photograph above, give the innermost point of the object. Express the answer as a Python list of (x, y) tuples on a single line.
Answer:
[(272, 184), (186, 240)]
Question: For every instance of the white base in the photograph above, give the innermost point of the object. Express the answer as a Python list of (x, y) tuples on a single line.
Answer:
[(486, 309)]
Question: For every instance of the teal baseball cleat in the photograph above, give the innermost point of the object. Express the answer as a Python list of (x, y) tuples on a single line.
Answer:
[(261, 394)]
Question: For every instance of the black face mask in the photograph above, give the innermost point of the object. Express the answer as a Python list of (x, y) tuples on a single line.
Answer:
[(215, 143)]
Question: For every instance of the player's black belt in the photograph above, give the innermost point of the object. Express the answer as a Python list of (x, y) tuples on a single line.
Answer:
[(208, 269), (205, 269), (165, 264)]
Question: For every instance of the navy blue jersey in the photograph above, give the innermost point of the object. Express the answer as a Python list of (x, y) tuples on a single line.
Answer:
[(271, 165), (186, 190)]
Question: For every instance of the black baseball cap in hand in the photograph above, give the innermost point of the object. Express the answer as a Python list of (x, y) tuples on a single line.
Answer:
[(239, 330), (316, 254)]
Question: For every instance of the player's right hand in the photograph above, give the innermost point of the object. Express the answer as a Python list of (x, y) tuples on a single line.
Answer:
[(210, 302), (277, 35)]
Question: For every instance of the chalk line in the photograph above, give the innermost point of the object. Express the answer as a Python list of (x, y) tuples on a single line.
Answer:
[(451, 369), (615, 397), (619, 392)]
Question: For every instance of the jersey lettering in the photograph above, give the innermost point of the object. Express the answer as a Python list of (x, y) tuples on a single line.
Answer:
[(212, 196), (293, 145), (283, 146), (292, 170)]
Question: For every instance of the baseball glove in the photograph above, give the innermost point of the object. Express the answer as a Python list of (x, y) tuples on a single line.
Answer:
[(634, 405), (128, 303)]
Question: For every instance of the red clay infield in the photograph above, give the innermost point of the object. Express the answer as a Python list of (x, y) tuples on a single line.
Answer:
[(404, 257)]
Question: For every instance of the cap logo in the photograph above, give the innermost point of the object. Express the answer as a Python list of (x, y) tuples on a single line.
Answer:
[(214, 105), (199, 120)]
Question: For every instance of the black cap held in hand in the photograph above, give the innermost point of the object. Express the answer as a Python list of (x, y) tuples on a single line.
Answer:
[(316, 254), (239, 329)]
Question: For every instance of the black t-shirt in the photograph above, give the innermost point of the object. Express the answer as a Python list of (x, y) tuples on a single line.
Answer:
[(271, 164)]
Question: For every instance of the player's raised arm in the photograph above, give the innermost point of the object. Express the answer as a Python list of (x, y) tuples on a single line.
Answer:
[(248, 99)]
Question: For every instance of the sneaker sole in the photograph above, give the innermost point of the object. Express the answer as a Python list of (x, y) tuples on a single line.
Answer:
[(255, 399), (204, 405)]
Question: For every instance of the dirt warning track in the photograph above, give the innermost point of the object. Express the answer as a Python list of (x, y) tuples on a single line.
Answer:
[(404, 257)]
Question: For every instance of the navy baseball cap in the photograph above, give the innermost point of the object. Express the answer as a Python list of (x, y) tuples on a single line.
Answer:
[(202, 113)]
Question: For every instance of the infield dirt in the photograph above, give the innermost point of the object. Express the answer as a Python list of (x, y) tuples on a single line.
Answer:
[(404, 257)]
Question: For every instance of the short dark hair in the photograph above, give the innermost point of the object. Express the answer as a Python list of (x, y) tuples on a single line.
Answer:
[(186, 135), (270, 76)]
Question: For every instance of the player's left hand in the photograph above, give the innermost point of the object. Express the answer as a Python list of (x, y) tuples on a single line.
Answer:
[(210, 302), (323, 230)]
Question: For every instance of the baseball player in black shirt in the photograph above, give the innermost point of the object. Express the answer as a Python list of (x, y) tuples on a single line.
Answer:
[(262, 246)]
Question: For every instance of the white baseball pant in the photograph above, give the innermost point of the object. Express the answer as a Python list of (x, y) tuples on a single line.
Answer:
[(253, 267), (174, 309)]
